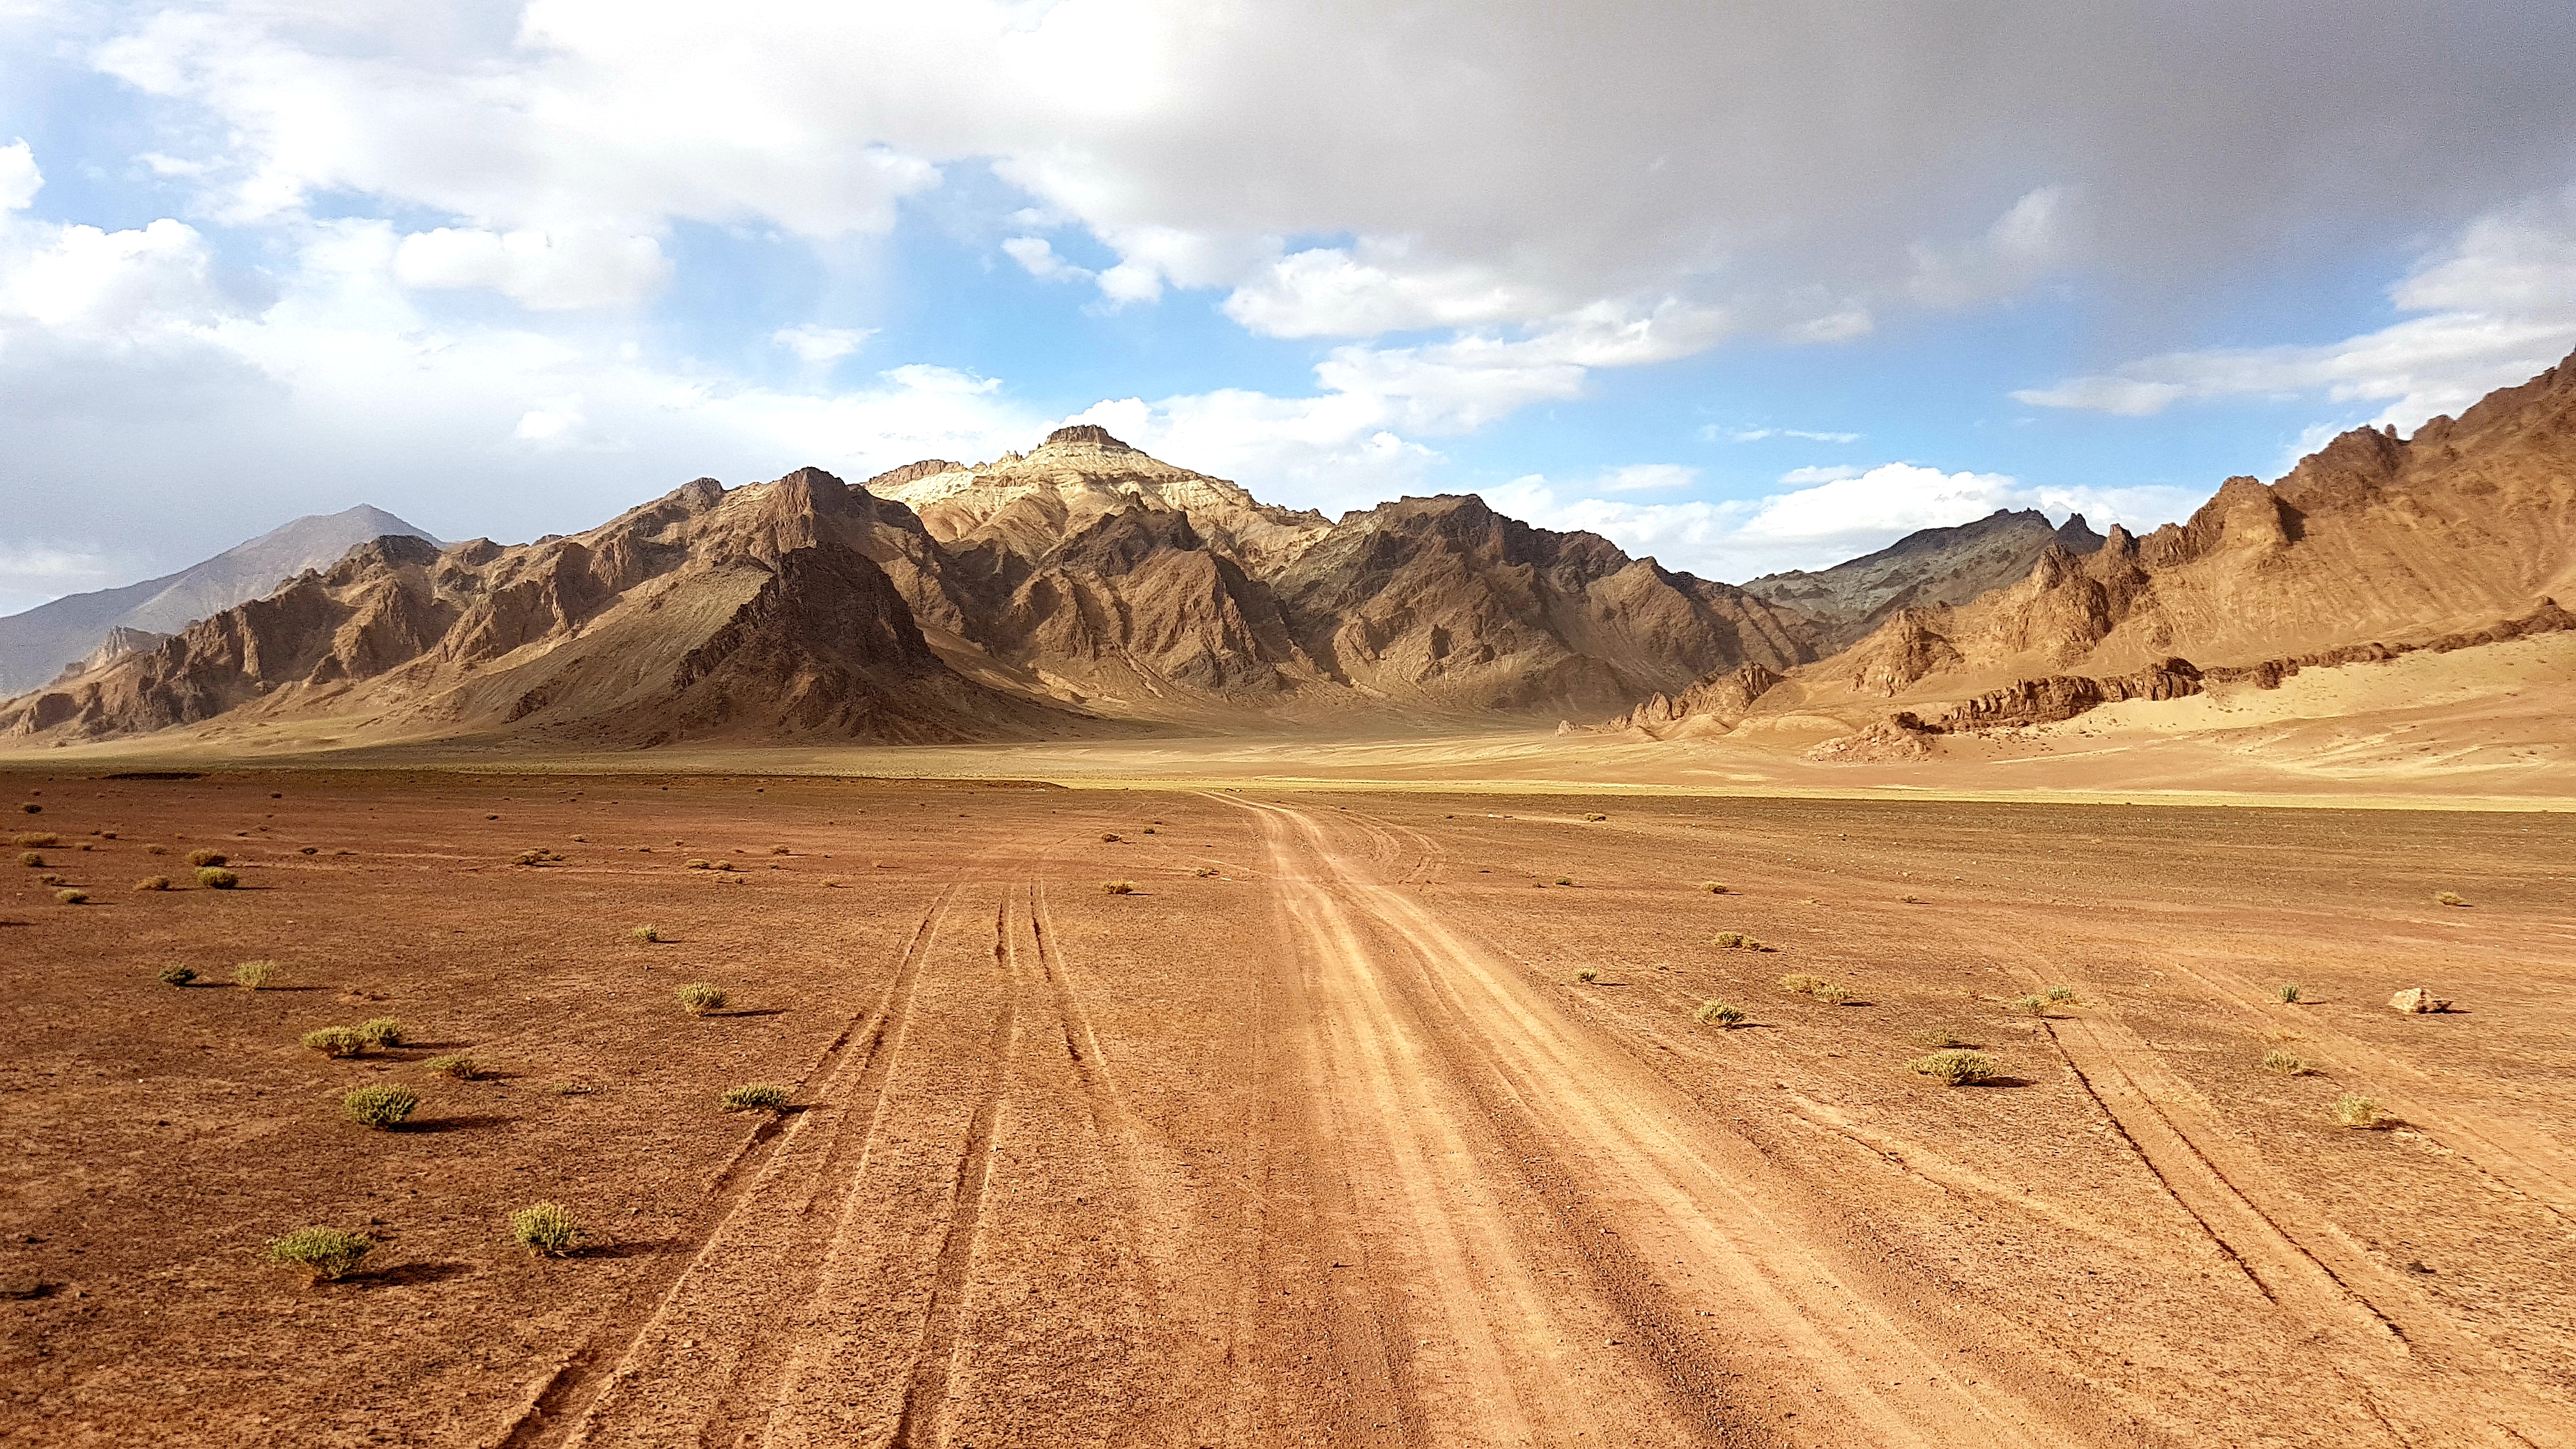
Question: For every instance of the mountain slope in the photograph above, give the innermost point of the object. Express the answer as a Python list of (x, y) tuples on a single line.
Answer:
[(37, 644), (1931, 566)]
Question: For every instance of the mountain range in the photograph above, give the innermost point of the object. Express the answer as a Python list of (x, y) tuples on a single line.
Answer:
[(1087, 588)]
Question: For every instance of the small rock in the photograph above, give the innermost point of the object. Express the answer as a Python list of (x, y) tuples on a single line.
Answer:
[(2417, 999)]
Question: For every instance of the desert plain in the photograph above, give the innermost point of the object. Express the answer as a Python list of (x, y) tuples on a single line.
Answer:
[(1366, 1115)]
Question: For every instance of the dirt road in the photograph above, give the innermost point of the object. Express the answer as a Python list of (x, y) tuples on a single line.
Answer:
[(1313, 1137)]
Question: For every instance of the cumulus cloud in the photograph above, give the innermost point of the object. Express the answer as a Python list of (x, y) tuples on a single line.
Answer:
[(555, 271), (1823, 516), (818, 346), (1646, 478), (2036, 237), (2498, 304), (1037, 257), (19, 178)]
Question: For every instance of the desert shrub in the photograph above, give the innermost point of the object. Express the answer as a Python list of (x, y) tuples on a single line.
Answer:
[(208, 857), (153, 883), (546, 1229), (1799, 983), (1596, 817), (2027, 1006), (178, 975), (1955, 1067), (646, 934), (699, 865), (754, 1097), (1717, 1013), (1119, 887), (32, 808), (2448, 898), (336, 1041), (2287, 993), (462, 1068), (1832, 993), (252, 975), (71, 898), (1938, 1038), (216, 878), (2284, 1063), (1149, 830), (780, 850), (1204, 871), (322, 1252), (1109, 837), (2059, 995), (156, 850), (380, 1106), (1587, 975), (1565, 880), (1736, 941), (309, 850), (49, 879), (37, 841), (699, 997), (1911, 900), (1715, 888), (2356, 1111), (31, 860), (383, 1031), (721, 865)]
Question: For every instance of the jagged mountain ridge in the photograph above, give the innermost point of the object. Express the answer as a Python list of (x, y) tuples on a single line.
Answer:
[(1929, 566), (37, 645), (2371, 546), (1079, 588)]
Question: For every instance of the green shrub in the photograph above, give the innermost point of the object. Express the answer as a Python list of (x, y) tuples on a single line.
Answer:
[(322, 1252), (1736, 941), (700, 865), (462, 1068), (2448, 898), (1717, 1013), (31, 860), (380, 1106), (178, 975), (2059, 995), (647, 934), (546, 1229), (2287, 993), (1587, 975), (2033, 1005), (1715, 888), (383, 1031), (2356, 1111), (1799, 983), (1938, 1038), (2287, 1065), (1119, 887), (252, 975), (153, 883), (754, 1097), (208, 857), (1832, 993), (1203, 872), (1596, 817), (216, 878), (698, 998), (336, 1041), (1565, 880), (71, 898), (1957, 1068)]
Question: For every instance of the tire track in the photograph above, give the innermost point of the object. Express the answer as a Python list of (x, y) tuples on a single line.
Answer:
[(1610, 1134), (567, 1409)]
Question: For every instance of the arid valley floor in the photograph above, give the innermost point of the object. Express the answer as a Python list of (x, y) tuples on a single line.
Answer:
[(1314, 1137)]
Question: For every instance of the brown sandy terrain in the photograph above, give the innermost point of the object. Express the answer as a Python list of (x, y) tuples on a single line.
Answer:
[(1329, 1146)]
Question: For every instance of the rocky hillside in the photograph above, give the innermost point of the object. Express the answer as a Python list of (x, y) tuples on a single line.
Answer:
[(1082, 587), (38, 644), (1930, 566), (2372, 546)]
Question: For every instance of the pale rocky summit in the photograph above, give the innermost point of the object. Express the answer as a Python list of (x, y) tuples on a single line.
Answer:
[(1929, 566)]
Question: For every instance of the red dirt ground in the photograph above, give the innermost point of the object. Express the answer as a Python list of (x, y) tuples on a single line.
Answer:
[(1327, 1146)]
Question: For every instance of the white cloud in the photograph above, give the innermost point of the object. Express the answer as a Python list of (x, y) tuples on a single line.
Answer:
[(19, 178), (1825, 516), (79, 281), (818, 345), (1037, 257), (1715, 434), (2038, 235), (555, 271), (2500, 305), (1646, 478)]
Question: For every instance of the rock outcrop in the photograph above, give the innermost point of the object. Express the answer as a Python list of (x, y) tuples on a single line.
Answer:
[(1930, 566)]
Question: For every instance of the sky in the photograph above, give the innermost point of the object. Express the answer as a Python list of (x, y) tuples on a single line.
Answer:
[(1745, 288)]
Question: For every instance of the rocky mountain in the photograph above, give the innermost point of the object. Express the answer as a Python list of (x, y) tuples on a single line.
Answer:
[(1082, 587), (1930, 566), (2370, 547), (38, 644)]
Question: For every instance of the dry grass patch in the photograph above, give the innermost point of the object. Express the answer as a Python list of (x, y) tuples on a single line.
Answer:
[(2287, 993), (1718, 1014), (216, 878), (646, 934), (1587, 975), (208, 857), (335, 1041), (31, 860), (381, 1107), (1118, 887), (2287, 1065), (1934, 1038), (700, 997), (546, 1229), (458, 1067), (252, 975), (1715, 888), (1736, 941), (1957, 1068), (2353, 1110), (324, 1253), (382, 1031), (754, 1097), (71, 897), (37, 841), (153, 883), (2448, 898)]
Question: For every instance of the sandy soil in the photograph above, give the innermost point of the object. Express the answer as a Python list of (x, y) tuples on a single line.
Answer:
[(1328, 1145)]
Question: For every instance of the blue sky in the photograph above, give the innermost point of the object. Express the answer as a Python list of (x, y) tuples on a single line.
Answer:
[(1743, 290)]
